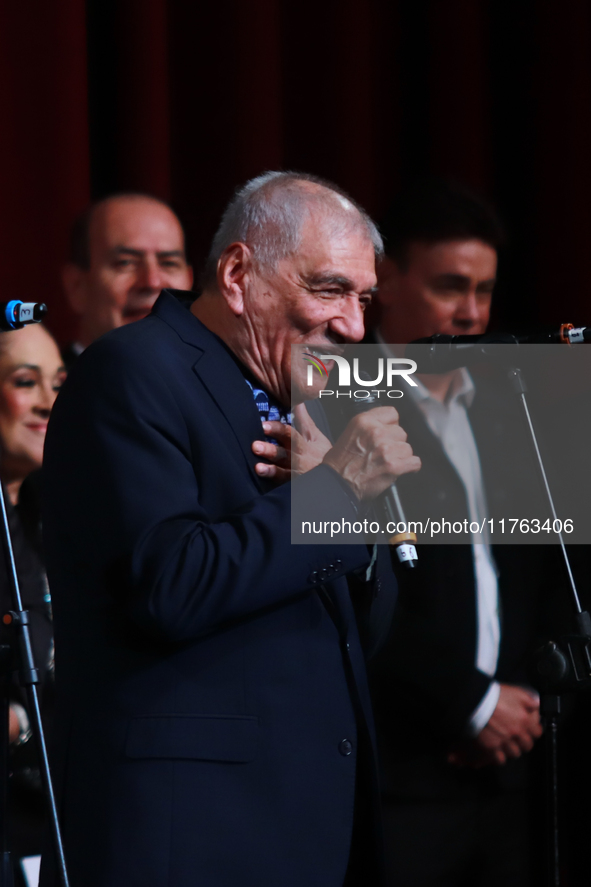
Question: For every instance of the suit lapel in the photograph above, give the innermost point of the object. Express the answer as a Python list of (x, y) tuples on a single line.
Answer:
[(228, 389), (219, 374)]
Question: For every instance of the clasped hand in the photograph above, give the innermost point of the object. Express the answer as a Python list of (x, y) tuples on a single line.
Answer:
[(511, 731)]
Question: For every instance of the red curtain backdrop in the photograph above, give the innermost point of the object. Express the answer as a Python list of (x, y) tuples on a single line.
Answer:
[(44, 147), (186, 100)]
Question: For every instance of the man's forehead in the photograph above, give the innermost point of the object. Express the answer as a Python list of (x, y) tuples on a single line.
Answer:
[(140, 223), (467, 255), (329, 251)]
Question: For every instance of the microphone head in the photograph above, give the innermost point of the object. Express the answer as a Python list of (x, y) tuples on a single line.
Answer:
[(39, 312), (16, 314), (444, 353)]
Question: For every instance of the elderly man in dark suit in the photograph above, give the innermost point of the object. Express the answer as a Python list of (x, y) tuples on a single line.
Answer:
[(214, 714)]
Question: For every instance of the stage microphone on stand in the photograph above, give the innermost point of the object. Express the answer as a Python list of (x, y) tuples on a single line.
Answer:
[(401, 543), (14, 315), (443, 353)]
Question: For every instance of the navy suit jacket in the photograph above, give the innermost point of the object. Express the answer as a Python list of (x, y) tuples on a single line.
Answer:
[(209, 700)]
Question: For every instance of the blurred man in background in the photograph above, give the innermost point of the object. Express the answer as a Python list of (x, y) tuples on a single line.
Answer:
[(124, 250), (448, 683)]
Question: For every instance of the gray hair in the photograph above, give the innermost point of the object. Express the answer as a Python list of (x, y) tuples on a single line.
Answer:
[(267, 214)]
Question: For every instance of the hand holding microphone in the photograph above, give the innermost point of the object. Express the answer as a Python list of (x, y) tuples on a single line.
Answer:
[(402, 543), (372, 453)]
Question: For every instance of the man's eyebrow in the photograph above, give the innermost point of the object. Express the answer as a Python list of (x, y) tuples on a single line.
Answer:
[(461, 281), (139, 253), (330, 279), (128, 251), (345, 283), (487, 283), (170, 254)]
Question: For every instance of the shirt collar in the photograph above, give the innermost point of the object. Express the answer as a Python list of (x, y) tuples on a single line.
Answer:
[(462, 388)]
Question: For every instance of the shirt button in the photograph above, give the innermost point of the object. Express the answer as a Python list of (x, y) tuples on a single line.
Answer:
[(345, 747)]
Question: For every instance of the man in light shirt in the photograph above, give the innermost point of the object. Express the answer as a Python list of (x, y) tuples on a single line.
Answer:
[(448, 684)]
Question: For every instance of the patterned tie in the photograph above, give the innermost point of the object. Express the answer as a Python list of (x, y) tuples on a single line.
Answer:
[(269, 409)]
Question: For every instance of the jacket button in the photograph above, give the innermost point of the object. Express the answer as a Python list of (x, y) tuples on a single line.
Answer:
[(345, 747), (313, 577)]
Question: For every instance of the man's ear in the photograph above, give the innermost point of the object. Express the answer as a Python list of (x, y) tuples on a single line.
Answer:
[(74, 283), (234, 270), (389, 273)]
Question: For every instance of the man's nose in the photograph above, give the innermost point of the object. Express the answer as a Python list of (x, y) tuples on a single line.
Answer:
[(349, 322), (467, 312), (151, 277)]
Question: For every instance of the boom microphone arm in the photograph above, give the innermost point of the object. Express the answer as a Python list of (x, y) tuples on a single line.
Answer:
[(446, 353)]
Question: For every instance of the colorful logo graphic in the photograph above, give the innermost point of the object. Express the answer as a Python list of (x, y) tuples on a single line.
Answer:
[(314, 362)]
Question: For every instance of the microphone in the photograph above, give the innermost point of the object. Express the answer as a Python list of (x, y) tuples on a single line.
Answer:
[(446, 353), (443, 353), (14, 315), (402, 543)]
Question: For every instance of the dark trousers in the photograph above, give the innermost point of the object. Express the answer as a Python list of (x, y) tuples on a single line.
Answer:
[(480, 840), (366, 862)]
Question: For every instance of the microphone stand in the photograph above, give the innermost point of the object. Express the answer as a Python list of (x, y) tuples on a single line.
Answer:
[(557, 667), (562, 665), (29, 679)]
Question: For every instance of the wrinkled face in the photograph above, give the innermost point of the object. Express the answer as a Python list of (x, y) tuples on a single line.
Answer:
[(445, 287), (136, 250), (315, 298), (31, 373)]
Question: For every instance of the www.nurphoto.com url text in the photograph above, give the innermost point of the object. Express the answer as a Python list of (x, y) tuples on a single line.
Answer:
[(489, 527)]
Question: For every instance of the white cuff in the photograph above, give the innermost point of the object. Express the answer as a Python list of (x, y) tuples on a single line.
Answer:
[(484, 711), (24, 726)]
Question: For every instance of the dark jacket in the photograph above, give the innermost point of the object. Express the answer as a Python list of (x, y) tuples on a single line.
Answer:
[(424, 681), (209, 703)]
